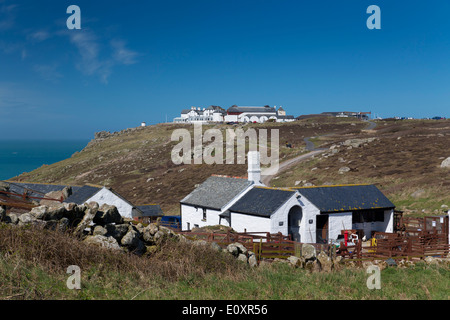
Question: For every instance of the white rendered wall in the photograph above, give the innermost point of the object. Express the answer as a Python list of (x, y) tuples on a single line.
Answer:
[(310, 212), (244, 222), (105, 196), (338, 222), (282, 215), (194, 216)]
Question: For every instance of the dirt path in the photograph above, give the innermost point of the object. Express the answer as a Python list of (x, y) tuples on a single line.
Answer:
[(268, 174)]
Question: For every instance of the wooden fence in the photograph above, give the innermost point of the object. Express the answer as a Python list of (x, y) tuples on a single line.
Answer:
[(264, 245), (416, 238)]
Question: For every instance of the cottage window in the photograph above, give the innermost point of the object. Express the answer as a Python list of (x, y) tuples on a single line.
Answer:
[(204, 215), (368, 216)]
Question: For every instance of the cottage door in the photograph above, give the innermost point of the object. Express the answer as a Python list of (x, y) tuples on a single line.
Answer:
[(294, 220), (322, 229)]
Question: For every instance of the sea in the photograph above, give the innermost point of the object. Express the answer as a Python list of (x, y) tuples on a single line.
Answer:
[(19, 156)]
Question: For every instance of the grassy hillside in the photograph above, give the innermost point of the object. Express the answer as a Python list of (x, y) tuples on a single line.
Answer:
[(403, 161)]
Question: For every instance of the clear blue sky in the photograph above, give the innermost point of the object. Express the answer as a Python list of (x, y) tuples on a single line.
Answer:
[(136, 61)]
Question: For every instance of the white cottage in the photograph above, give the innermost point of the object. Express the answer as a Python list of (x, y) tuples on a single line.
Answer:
[(308, 215), (265, 209), (104, 195), (206, 205)]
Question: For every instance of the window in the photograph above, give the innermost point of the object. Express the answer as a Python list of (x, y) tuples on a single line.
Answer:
[(368, 216), (204, 215)]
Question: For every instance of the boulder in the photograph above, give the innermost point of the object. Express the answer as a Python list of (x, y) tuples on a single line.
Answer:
[(88, 218), (4, 186), (102, 241), (130, 239), (233, 249), (308, 251), (107, 214), (418, 193), (149, 232), (252, 261), (242, 257), (25, 219), (39, 212), (117, 231), (2, 214), (99, 231), (12, 218), (325, 261), (312, 266), (344, 170), (446, 163), (296, 261), (240, 247)]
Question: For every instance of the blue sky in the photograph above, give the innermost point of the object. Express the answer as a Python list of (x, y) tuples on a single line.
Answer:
[(136, 61)]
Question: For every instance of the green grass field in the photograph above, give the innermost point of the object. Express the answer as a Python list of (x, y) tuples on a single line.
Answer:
[(33, 266)]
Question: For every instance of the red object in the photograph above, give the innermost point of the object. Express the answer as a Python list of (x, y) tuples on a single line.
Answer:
[(345, 237)]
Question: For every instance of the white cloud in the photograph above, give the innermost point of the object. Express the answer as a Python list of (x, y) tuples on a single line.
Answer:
[(7, 15), (89, 48), (48, 72), (121, 54), (39, 36)]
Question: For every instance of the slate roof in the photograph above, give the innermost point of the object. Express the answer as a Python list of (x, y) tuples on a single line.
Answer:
[(262, 201), (151, 210), (83, 194), (329, 199), (216, 192), (252, 109), (39, 188)]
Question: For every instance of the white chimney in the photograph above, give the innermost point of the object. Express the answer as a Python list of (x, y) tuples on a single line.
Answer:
[(254, 168)]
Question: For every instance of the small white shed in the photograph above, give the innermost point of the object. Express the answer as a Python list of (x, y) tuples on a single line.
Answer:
[(104, 195)]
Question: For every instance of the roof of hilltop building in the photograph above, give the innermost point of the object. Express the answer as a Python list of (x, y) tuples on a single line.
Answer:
[(329, 199), (216, 192), (266, 109), (262, 201)]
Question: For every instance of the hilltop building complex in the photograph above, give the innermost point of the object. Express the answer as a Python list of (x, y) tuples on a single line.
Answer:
[(234, 114)]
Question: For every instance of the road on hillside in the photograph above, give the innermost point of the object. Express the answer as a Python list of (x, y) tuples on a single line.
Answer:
[(269, 173)]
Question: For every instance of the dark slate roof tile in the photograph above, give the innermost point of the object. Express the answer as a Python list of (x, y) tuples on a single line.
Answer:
[(262, 201), (216, 192), (152, 210), (82, 195), (346, 198)]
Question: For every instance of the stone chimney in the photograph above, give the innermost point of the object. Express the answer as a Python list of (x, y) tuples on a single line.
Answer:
[(254, 168)]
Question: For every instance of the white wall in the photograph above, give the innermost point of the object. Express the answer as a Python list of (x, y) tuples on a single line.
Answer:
[(282, 215), (105, 196), (308, 230), (194, 216), (243, 222), (338, 222)]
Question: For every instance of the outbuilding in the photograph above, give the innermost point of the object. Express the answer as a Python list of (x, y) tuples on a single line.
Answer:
[(328, 210), (104, 195)]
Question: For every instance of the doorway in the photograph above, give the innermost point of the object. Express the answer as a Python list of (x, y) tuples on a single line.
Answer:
[(294, 220), (322, 228)]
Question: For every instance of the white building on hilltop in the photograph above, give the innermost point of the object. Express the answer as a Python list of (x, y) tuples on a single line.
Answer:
[(234, 114)]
